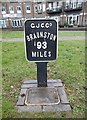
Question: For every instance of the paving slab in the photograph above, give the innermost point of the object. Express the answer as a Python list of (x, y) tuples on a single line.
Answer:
[(63, 95), (42, 99)]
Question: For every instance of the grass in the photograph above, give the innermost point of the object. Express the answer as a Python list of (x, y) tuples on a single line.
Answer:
[(20, 34), (69, 67), (0, 34), (0, 79), (12, 34), (72, 34)]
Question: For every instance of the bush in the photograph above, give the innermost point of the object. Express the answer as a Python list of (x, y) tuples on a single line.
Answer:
[(61, 26), (70, 25)]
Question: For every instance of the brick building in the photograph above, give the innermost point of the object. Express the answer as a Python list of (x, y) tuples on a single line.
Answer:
[(70, 13)]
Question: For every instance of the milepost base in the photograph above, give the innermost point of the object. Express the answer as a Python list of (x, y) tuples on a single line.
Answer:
[(42, 99)]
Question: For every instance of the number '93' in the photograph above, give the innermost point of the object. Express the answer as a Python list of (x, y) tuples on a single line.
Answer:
[(40, 45)]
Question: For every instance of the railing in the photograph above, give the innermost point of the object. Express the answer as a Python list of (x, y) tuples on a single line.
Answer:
[(73, 6), (57, 9)]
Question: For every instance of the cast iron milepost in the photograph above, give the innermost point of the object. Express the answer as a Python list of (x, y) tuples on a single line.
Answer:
[(41, 36), (41, 45)]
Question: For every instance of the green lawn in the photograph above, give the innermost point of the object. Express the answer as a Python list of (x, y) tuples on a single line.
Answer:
[(0, 78), (20, 34), (71, 33), (12, 34), (69, 67), (0, 34)]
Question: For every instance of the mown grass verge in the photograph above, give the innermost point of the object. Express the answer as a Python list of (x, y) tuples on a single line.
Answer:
[(12, 34), (69, 67), (0, 80)]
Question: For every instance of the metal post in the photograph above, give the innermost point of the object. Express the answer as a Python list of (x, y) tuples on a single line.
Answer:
[(42, 74)]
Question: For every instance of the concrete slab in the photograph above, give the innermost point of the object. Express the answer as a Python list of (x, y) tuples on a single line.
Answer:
[(33, 109), (63, 95), (56, 108), (43, 99)]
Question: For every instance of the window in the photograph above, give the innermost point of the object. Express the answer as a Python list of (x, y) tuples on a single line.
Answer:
[(37, 0), (54, 4), (28, 9), (35, 8), (3, 24), (67, 19), (86, 19), (11, 9), (78, 19), (74, 4), (50, 5), (38, 8), (57, 3), (67, 1), (27, 0), (80, 1), (12, 0), (16, 23), (3, 10), (18, 9), (70, 20), (73, 19), (60, 3), (67, 4), (79, 5)]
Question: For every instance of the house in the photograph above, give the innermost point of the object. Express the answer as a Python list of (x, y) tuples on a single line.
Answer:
[(69, 13)]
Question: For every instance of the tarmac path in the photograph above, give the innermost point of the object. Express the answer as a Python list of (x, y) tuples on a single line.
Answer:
[(60, 38)]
